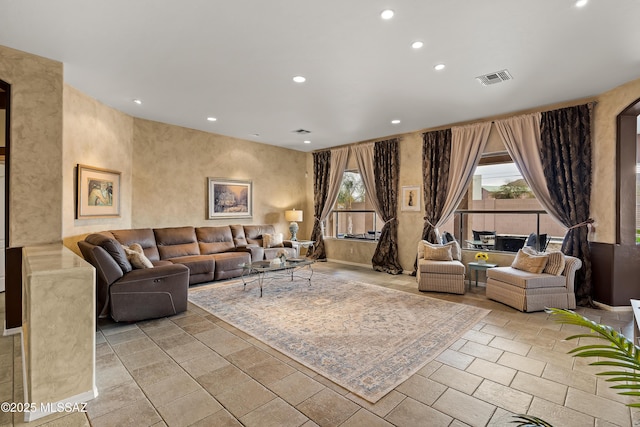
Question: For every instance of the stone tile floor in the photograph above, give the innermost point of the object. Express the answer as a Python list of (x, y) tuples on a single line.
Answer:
[(193, 369)]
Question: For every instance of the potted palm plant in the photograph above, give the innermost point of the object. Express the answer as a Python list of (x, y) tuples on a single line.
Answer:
[(616, 353)]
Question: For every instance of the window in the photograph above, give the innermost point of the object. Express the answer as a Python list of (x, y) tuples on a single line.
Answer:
[(638, 184), (499, 186), (353, 216)]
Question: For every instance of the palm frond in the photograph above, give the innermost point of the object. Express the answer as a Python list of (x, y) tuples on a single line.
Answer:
[(529, 421)]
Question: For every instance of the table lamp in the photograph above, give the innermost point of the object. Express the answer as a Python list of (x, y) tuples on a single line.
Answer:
[(294, 217)]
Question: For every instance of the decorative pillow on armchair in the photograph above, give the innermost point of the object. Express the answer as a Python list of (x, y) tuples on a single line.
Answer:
[(456, 252), (437, 253), (555, 262), (532, 263), (272, 240)]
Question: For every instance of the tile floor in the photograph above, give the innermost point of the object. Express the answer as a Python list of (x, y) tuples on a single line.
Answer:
[(193, 369)]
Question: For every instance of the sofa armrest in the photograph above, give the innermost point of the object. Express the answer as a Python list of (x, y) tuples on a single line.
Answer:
[(257, 252), (572, 265)]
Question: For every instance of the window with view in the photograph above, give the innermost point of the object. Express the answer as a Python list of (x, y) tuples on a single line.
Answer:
[(353, 215), (501, 187)]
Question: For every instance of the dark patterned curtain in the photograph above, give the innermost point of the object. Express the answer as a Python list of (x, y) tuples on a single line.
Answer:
[(436, 157), (566, 159), (321, 168), (386, 171)]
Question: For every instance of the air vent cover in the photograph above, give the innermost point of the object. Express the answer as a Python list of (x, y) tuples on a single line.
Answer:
[(302, 131), (493, 78)]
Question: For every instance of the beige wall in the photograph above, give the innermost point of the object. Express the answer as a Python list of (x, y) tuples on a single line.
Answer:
[(36, 147), (171, 165), (609, 104), (99, 136)]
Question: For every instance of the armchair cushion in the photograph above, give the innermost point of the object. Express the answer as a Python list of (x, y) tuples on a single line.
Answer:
[(441, 267), (456, 252), (524, 279), (555, 262)]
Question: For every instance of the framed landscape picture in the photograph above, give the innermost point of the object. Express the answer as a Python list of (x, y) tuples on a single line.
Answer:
[(98, 193), (411, 198), (229, 198)]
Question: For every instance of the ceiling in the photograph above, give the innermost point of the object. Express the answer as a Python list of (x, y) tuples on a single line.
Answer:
[(234, 60)]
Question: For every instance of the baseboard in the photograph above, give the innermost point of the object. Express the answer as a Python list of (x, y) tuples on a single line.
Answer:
[(77, 403), (11, 331), (612, 308), (339, 261)]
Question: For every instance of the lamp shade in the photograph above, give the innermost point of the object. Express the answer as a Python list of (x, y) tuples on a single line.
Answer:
[(293, 215)]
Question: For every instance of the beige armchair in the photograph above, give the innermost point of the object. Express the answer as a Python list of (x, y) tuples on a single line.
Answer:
[(439, 268), (529, 292)]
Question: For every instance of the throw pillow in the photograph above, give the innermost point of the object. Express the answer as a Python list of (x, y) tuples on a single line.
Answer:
[(456, 252), (532, 263), (136, 256), (272, 240), (555, 262), (437, 253)]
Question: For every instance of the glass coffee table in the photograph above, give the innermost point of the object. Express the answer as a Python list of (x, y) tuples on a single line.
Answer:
[(265, 270)]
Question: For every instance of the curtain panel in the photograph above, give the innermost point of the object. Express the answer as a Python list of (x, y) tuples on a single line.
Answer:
[(467, 145), (566, 161), (436, 157), (328, 169), (386, 177)]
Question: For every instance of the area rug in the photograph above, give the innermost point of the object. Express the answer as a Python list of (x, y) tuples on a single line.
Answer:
[(366, 338)]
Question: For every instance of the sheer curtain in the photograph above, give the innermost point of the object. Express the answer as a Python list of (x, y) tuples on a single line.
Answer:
[(521, 137), (328, 169), (467, 145)]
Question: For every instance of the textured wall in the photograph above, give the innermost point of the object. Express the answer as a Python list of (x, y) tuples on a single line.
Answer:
[(99, 136), (36, 147), (603, 200), (171, 165)]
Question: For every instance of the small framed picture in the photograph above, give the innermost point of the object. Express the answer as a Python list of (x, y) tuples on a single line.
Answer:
[(98, 193), (411, 198), (229, 198)]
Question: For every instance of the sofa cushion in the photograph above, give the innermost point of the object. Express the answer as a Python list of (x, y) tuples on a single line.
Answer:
[(197, 264), (531, 263), (237, 231), (272, 240), (174, 242), (113, 248), (143, 236), (213, 240), (525, 279), (254, 233), (229, 264), (442, 267)]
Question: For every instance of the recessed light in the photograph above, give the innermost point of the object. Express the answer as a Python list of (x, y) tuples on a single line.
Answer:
[(387, 14), (211, 119), (581, 3), (137, 101), (439, 67), (307, 142), (299, 79), (395, 122), (257, 135), (417, 45)]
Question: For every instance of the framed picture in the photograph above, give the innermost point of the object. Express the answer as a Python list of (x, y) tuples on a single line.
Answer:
[(98, 193), (229, 198), (411, 198)]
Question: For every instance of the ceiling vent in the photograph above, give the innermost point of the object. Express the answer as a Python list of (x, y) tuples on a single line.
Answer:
[(302, 131), (493, 78)]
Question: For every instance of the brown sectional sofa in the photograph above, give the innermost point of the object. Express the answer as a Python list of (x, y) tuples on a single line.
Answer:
[(181, 256)]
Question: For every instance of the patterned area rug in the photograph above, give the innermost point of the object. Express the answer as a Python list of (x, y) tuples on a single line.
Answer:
[(366, 338)]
